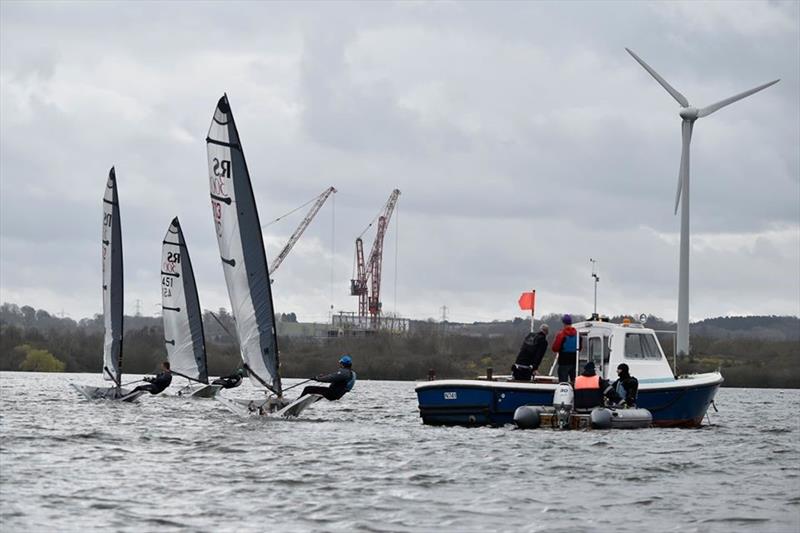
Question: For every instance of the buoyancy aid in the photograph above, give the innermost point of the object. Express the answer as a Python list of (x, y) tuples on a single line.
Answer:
[(351, 381), (587, 382), (587, 392), (570, 344)]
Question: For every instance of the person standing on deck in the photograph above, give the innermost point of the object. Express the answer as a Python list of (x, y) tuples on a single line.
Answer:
[(566, 346), (341, 381), (530, 354), (159, 382)]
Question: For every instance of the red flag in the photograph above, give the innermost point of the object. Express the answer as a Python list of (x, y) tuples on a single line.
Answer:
[(527, 301)]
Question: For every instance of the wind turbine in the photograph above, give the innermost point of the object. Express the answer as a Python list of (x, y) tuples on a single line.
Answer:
[(689, 115)]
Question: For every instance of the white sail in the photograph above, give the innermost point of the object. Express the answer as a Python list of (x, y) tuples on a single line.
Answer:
[(241, 248), (112, 282), (180, 306)]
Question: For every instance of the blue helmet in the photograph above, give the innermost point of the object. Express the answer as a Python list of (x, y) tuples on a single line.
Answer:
[(566, 319), (346, 360)]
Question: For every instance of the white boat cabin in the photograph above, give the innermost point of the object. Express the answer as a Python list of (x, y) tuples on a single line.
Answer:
[(609, 344)]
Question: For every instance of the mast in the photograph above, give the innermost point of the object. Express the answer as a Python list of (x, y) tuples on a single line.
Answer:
[(112, 283), (183, 320), (241, 248)]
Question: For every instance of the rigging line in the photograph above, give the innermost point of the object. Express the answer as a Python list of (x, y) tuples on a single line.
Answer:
[(333, 249), (396, 247), (292, 211), (383, 210)]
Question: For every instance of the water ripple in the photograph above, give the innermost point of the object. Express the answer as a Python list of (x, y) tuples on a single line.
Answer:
[(367, 463)]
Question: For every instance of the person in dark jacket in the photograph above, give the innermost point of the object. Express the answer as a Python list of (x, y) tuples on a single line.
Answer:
[(625, 388), (341, 381), (159, 382), (590, 388), (530, 354), (230, 382), (566, 346)]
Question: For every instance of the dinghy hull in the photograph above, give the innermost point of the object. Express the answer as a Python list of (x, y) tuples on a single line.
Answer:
[(107, 393), (199, 391)]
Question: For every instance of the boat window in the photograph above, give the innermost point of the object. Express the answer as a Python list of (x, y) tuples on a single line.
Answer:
[(582, 349), (596, 351), (641, 346), (607, 352)]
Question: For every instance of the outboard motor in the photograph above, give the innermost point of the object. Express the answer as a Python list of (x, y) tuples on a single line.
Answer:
[(563, 400)]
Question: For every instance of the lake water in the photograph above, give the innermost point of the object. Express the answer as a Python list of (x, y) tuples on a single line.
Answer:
[(366, 463)]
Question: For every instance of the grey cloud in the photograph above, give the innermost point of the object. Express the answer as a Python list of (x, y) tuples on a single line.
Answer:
[(523, 137)]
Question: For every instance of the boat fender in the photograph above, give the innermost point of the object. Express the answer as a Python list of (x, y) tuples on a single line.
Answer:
[(601, 418), (527, 416)]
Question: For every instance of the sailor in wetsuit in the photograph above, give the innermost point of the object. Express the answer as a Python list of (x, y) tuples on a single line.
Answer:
[(341, 381), (157, 383), (625, 388), (231, 381)]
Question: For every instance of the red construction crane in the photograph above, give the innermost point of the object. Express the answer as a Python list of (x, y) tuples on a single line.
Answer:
[(369, 275), (318, 201)]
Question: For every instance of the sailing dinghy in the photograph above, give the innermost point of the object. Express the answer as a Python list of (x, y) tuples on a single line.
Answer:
[(112, 302), (244, 261), (183, 320)]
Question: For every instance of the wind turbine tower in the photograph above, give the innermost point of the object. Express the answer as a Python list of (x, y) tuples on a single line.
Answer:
[(689, 115)]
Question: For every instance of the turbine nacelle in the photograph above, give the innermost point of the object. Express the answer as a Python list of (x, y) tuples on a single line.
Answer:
[(690, 113)]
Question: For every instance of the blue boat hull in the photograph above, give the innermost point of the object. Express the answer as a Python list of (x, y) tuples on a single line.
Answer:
[(493, 403)]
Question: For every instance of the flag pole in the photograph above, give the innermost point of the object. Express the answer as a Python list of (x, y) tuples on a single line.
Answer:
[(533, 305)]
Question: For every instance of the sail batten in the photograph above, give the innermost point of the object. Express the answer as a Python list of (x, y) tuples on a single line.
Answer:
[(183, 321), (241, 249), (112, 282)]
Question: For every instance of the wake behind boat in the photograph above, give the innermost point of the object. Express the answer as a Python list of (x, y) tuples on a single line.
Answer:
[(183, 321), (244, 261), (112, 302), (673, 401)]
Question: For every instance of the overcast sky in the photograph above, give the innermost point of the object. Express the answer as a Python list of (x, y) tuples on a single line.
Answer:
[(523, 137)]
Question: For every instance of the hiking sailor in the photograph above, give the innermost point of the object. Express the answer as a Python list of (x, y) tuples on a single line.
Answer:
[(231, 381), (530, 354), (341, 381), (157, 383)]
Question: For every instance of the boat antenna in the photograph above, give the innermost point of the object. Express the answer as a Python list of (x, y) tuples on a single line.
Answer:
[(596, 281)]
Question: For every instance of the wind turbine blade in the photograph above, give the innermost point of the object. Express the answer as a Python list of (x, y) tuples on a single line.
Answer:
[(722, 103), (670, 89), (683, 173)]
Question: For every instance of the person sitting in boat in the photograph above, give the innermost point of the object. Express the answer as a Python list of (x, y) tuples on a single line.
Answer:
[(341, 381), (625, 388), (231, 381), (530, 354), (590, 388), (566, 346), (159, 382)]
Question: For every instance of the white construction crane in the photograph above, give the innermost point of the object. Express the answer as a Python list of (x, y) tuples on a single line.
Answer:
[(318, 202)]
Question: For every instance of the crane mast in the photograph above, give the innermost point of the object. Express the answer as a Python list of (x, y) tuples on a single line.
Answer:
[(358, 286), (368, 276), (301, 228)]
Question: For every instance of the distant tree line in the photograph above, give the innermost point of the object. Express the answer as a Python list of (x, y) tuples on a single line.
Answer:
[(750, 351)]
